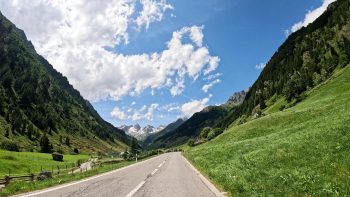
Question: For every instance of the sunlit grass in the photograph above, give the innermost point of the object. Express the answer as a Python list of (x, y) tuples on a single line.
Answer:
[(301, 151)]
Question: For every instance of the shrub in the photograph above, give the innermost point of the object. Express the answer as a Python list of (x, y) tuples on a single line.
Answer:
[(76, 150), (190, 142), (9, 145), (243, 119), (213, 133), (46, 146), (204, 132), (57, 156)]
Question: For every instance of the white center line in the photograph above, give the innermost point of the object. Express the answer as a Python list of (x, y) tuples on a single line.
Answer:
[(154, 171), (160, 165), (135, 189)]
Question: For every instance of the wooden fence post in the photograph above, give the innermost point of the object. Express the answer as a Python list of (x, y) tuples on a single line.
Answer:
[(7, 180)]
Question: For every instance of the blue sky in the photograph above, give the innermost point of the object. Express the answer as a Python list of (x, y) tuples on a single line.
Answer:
[(242, 33), (153, 61)]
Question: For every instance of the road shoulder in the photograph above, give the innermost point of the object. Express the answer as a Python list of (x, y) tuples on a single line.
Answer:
[(207, 183)]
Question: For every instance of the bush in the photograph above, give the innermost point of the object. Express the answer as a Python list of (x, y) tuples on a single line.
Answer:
[(57, 156), (44, 175), (204, 132), (190, 142), (76, 151), (9, 145), (213, 133)]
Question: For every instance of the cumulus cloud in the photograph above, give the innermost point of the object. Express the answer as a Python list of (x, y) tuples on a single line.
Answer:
[(260, 66), (206, 87), (152, 11), (213, 65), (75, 35), (197, 35), (118, 113), (311, 16), (188, 109), (145, 113)]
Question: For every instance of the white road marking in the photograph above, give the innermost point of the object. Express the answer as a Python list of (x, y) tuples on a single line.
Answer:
[(84, 180), (135, 189), (143, 182), (207, 183), (154, 171), (160, 165)]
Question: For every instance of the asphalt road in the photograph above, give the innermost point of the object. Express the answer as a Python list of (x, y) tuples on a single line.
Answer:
[(168, 175)]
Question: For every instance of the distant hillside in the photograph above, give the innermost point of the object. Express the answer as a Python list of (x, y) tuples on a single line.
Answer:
[(140, 133), (36, 101), (172, 126), (191, 128), (307, 58)]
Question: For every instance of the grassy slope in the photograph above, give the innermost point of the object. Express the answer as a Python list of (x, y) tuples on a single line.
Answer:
[(20, 162), (304, 150)]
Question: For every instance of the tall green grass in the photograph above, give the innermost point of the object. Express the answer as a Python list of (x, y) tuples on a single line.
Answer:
[(304, 150)]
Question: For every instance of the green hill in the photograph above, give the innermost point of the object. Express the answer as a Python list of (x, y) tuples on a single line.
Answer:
[(302, 151), (307, 58), (37, 102), (190, 128)]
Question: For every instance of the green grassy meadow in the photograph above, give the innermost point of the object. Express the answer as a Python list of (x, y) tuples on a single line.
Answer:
[(301, 151), (21, 162)]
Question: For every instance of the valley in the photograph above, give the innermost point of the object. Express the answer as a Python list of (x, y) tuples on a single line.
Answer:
[(286, 134)]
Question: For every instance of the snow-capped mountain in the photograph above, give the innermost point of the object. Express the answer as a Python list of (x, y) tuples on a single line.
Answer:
[(139, 132)]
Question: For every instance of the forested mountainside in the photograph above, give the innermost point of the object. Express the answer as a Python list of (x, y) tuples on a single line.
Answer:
[(38, 103), (307, 58), (170, 127)]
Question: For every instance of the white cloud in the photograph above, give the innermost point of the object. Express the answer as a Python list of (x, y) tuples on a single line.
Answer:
[(260, 66), (311, 16), (213, 76), (197, 35), (118, 113), (152, 11), (133, 103), (213, 65), (206, 87), (170, 107), (73, 36), (188, 109), (144, 113)]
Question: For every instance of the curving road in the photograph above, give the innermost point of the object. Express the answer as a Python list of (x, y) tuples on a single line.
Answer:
[(168, 175)]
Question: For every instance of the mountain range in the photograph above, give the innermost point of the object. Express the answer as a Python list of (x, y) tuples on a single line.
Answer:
[(139, 132)]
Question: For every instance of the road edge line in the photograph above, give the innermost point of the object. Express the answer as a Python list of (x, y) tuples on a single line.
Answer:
[(209, 184)]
